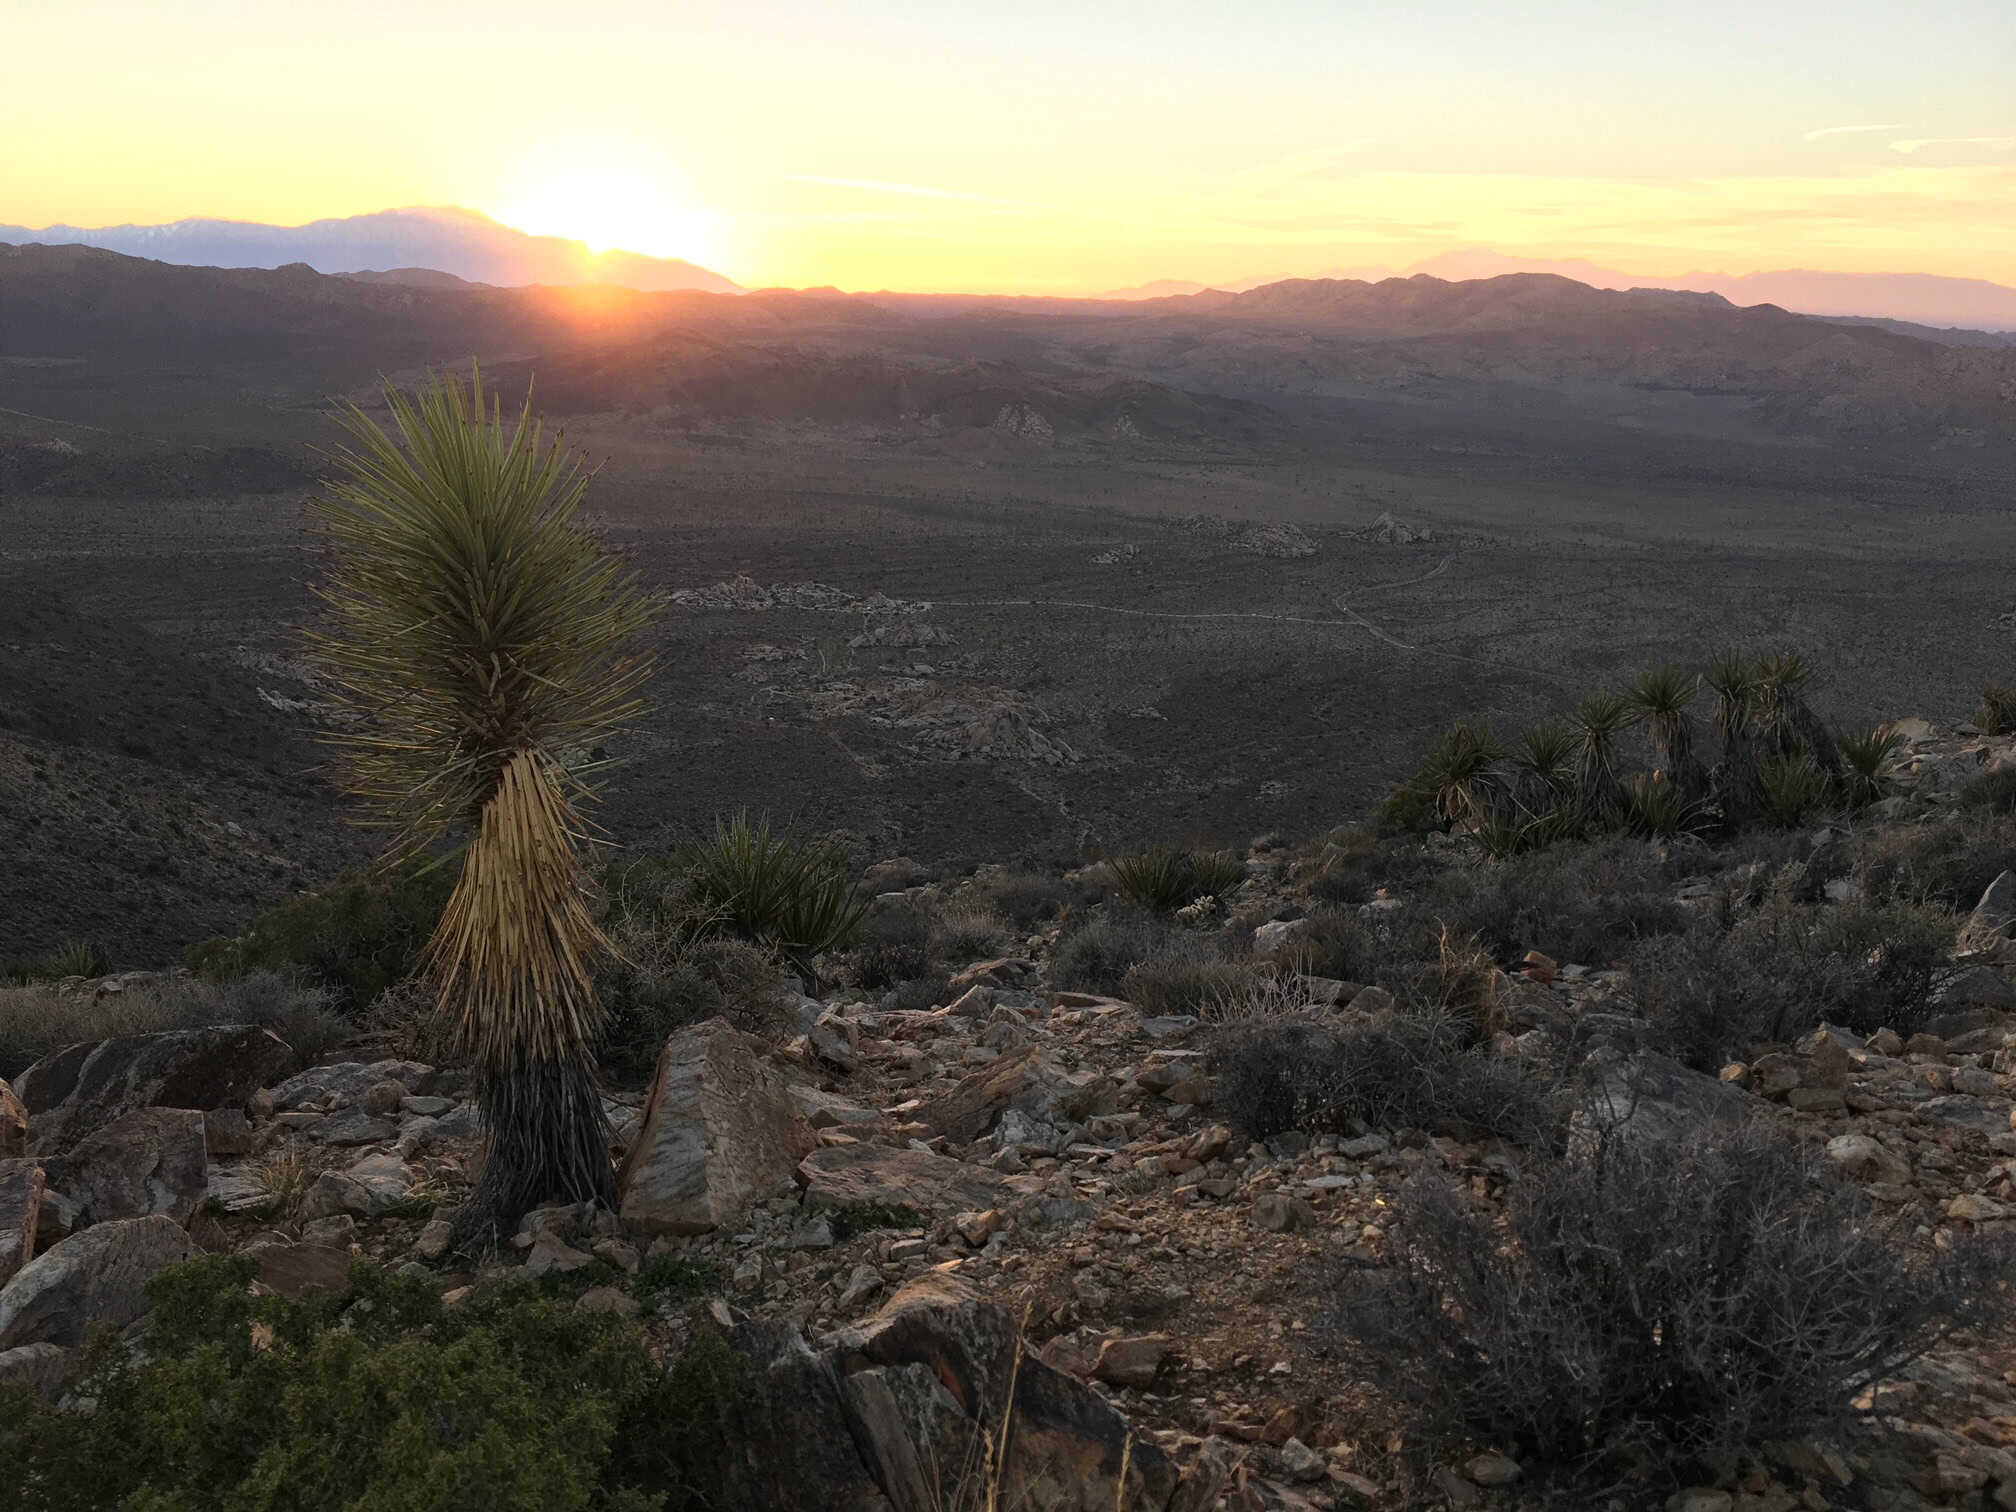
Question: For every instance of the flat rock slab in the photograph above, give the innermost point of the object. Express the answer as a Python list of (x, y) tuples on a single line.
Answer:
[(719, 1133), (847, 1175), (72, 1091), (148, 1160), (95, 1276)]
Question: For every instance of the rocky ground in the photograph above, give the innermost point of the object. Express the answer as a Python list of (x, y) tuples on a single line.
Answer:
[(876, 1188)]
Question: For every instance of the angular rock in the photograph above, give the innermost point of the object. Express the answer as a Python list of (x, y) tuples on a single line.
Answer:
[(72, 1091), (151, 1160), (927, 1184), (1648, 1096), (335, 1192), (1131, 1362), (719, 1133), (227, 1132), (13, 1124), (1022, 1080), (798, 1433), (1863, 1158), (94, 1276), (20, 1214), (1989, 925), (1978, 987), (1066, 1450), (353, 1126), (1279, 1213), (343, 1082)]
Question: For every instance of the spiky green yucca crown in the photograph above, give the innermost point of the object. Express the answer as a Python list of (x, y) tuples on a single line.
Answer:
[(476, 640), (471, 618)]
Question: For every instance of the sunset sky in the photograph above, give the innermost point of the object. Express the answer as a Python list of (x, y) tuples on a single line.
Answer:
[(1053, 145)]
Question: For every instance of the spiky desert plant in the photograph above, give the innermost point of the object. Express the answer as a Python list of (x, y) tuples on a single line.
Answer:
[(1599, 721), (1865, 761), (1795, 788), (767, 886), (1658, 809), (1664, 695), (1789, 723), (1461, 772), (1736, 780), (476, 639), (1543, 763)]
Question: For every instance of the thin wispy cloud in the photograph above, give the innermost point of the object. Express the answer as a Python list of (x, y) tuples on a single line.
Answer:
[(1919, 144), (910, 191), (1834, 131), (1310, 163)]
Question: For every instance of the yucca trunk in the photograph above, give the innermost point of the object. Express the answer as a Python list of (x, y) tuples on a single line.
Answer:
[(1738, 779), (512, 963), (1673, 743)]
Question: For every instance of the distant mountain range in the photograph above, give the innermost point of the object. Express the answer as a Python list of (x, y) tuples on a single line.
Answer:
[(1923, 299), (409, 244)]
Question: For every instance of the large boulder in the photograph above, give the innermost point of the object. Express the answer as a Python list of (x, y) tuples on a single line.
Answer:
[(95, 1276), (798, 1446), (72, 1091), (927, 1372), (20, 1214), (1649, 1096), (151, 1160), (861, 1175), (719, 1133)]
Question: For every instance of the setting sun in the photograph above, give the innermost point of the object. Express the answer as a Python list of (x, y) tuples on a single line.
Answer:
[(610, 208)]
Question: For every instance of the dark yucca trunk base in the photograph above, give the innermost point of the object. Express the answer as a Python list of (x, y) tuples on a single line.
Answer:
[(548, 1142)]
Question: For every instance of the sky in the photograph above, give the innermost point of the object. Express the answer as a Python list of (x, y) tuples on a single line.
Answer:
[(1064, 146)]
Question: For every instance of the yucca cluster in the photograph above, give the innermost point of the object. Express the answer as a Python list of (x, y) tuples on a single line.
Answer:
[(1763, 757)]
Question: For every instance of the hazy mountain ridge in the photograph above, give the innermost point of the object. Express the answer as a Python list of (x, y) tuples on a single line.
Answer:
[(905, 359), (464, 243)]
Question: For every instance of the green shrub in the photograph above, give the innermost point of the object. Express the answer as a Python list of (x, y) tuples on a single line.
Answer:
[(1399, 1071), (1946, 865), (1997, 714), (37, 1020), (770, 887), (1630, 1315), (669, 1278), (1024, 899), (358, 935), (1993, 792), (1164, 878), (894, 945), (965, 935), (1784, 969), (1098, 954), (381, 1398), (1188, 981)]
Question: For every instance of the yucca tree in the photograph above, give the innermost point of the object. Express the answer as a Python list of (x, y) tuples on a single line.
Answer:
[(1664, 695), (476, 636), (1790, 725), (1737, 780), (1599, 720)]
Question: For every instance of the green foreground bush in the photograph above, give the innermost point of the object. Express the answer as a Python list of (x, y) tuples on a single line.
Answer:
[(383, 1399)]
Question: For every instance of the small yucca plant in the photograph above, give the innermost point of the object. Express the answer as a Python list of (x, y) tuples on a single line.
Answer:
[(1865, 763), (1600, 721), (1794, 789), (1162, 877), (767, 886), (1461, 772), (476, 639), (1659, 810)]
